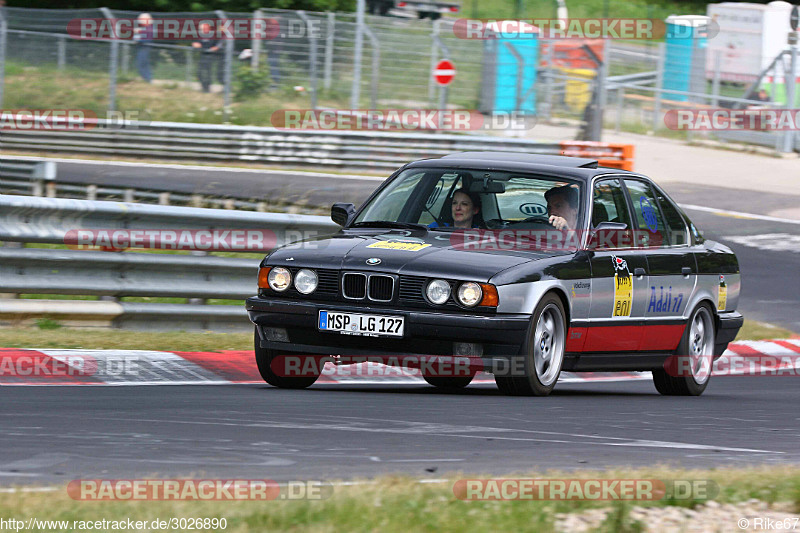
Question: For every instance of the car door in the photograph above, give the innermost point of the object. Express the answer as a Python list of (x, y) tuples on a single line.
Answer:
[(662, 232), (619, 275)]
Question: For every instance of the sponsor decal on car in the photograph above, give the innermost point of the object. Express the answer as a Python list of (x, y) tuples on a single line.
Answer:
[(399, 245), (649, 214), (666, 302), (722, 298), (583, 289), (623, 287)]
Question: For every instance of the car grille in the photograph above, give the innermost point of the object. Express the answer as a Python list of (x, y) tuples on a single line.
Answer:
[(354, 286), (412, 289), (381, 288), (328, 282)]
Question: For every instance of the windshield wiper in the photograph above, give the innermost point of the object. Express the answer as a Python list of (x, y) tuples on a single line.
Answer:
[(388, 224)]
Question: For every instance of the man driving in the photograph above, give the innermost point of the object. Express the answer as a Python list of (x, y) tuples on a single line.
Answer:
[(562, 207)]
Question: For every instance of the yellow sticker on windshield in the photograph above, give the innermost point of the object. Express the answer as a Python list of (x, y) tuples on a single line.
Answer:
[(399, 245)]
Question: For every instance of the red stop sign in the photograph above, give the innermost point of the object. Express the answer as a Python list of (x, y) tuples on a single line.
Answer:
[(444, 72)]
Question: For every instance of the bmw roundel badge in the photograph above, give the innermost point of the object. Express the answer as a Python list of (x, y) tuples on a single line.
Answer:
[(374, 261)]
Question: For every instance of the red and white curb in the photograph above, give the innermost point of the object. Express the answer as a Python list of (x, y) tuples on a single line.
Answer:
[(146, 367)]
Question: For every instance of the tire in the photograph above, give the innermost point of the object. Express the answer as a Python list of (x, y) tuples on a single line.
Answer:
[(697, 342), (264, 360), (449, 382), (542, 353)]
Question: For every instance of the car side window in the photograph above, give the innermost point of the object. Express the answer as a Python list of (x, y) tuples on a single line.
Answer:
[(677, 226), (649, 227), (609, 205)]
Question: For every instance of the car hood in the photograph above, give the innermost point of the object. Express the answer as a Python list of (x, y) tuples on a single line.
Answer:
[(403, 252)]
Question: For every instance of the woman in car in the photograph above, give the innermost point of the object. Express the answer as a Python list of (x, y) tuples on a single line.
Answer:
[(465, 209)]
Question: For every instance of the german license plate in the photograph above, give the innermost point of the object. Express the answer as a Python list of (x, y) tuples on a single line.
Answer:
[(362, 325)]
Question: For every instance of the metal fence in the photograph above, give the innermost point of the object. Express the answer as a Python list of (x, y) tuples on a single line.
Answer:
[(311, 63), (376, 151)]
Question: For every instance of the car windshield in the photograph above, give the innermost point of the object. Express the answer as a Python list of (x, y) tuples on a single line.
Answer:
[(448, 199)]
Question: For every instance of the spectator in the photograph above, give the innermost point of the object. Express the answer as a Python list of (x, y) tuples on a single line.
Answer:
[(143, 36), (210, 48)]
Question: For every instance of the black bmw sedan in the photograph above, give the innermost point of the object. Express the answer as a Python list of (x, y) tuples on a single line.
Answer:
[(514, 264)]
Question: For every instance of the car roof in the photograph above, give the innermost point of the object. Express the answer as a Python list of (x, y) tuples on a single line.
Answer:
[(554, 165)]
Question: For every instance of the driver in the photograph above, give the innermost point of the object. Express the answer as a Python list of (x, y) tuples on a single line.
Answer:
[(562, 207)]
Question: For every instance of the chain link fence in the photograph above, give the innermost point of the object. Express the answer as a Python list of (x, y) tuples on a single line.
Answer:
[(308, 62)]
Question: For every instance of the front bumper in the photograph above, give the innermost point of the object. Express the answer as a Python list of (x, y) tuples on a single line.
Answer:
[(426, 332)]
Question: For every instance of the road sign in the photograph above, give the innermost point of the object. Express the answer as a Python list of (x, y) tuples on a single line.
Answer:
[(444, 72), (794, 18)]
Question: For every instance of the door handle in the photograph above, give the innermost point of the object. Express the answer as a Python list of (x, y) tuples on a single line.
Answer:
[(686, 271), (638, 272)]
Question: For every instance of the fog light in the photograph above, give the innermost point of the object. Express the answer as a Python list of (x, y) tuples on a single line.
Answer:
[(276, 334), (467, 348)]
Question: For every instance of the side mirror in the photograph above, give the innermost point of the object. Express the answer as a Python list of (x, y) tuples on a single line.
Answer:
[(342, 213), (603, 235)]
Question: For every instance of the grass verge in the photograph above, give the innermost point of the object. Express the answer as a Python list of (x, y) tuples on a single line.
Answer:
[(392, 503), (104, 339)]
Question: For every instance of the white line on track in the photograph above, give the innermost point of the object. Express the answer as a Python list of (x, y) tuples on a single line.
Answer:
[(739, 214)]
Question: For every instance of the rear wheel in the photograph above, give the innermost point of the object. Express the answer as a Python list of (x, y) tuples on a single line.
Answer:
[(542, 354), (448, 382), (697, 344), (264, 360)]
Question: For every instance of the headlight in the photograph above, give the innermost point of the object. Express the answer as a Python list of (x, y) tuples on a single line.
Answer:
[(438, 291), (305, 281), (469, 294), (279, 279)]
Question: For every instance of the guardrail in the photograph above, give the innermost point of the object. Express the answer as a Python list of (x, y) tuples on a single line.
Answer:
[(356, 150), (196, 277), (47, 220), (33, 175)]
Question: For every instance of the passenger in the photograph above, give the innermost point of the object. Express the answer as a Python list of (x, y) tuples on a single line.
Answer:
[(562, 207), (465, 209)]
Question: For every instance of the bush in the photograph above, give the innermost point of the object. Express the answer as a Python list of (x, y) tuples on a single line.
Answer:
[(249, 83)]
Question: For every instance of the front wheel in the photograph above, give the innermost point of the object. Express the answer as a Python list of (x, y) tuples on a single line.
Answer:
[(264, 360), (697, 345), (542, 354)]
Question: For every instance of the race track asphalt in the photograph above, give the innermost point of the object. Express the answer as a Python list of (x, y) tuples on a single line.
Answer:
[(55, 434)]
